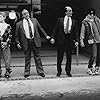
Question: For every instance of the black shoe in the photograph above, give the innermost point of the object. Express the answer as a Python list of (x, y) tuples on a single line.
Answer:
[(7, 74), (27, 75), (58, 74), (69, 74), (42, 74)]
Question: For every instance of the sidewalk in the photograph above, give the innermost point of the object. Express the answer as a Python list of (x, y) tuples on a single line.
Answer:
[(49, 63), (79, 87)]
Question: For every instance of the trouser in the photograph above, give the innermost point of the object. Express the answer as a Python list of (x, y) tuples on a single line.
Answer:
[(66, 47), (95, 54), (6, 56), (0, 58), (32, 47)]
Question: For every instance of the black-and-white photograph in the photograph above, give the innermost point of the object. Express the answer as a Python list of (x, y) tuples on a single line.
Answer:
[(49, 49)]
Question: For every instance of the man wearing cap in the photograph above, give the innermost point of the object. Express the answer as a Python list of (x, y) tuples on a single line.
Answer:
[(5, 39), (65, 31), (27, 36)]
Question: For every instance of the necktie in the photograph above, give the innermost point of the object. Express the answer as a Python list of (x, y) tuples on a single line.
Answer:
[(30, 29), (67, 26)]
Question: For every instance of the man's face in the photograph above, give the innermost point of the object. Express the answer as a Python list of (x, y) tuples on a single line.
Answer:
[(2, 18), (68, 12), (25, 14)]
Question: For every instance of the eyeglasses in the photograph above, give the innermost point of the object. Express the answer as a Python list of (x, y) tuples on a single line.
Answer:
[(25, 13), (68, 10)]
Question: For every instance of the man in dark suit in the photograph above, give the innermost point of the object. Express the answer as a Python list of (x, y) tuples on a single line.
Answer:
[(27, 36), (65, 31)]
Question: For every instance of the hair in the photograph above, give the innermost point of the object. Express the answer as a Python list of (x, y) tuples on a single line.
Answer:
[(24, 10), (91, 11), (67, 8), (3, 14)]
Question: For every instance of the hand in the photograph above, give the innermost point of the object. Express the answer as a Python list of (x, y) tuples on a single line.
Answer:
[(48, 37), (76, 44), (18, 46), (52, 41), (82, 43), (3, 44)]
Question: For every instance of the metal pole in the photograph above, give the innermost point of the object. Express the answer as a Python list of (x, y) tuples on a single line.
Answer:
[(77, 55)]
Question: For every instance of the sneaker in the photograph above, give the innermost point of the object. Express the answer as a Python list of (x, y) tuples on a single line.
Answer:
[(96, 70), (90, 71)]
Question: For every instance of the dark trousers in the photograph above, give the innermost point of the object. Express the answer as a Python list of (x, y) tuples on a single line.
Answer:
[(95, 54), (32, 47), (66, 47)]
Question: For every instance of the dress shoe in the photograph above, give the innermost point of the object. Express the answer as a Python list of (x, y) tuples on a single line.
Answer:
[(8, 72), (42, 74), (58, 74), (69, 74), (96, 71), (27, 75)]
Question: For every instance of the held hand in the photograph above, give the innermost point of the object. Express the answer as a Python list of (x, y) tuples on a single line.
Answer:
[(3, 44), (48, 37), (18, 46), (82, 43), (52, 41)]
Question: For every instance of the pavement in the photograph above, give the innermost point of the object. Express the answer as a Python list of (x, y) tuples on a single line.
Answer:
[(79, 87)]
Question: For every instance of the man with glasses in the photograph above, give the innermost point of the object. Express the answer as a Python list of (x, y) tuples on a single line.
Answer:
[(65, 31), (27, 36)]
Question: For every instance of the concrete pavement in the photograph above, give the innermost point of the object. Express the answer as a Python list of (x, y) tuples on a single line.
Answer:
[(79, 87), (49, 63)]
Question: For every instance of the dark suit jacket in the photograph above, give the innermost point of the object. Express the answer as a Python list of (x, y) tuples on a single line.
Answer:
[(20, 34), (59, 34)]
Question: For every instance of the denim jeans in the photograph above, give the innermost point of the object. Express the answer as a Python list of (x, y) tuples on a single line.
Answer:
[(95, 55), (6, 56)]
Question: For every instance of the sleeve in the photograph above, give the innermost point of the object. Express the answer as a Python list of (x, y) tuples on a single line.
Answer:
[(76, 38), (17, 34), (55, 29), (82, 32), (8, 31), (42, 30)]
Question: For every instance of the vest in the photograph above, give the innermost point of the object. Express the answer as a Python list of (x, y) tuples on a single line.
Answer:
[(88, 32)]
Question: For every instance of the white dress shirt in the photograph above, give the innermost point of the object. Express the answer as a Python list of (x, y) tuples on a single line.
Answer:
[(3, 27), (26, 28), (70, 23)]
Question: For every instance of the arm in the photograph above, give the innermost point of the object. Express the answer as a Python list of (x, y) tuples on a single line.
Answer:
[(54, 32), (17, 36), (42, 30), (9, 34), (76, 34), (82, 35), (55, 29), (6, 38)]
